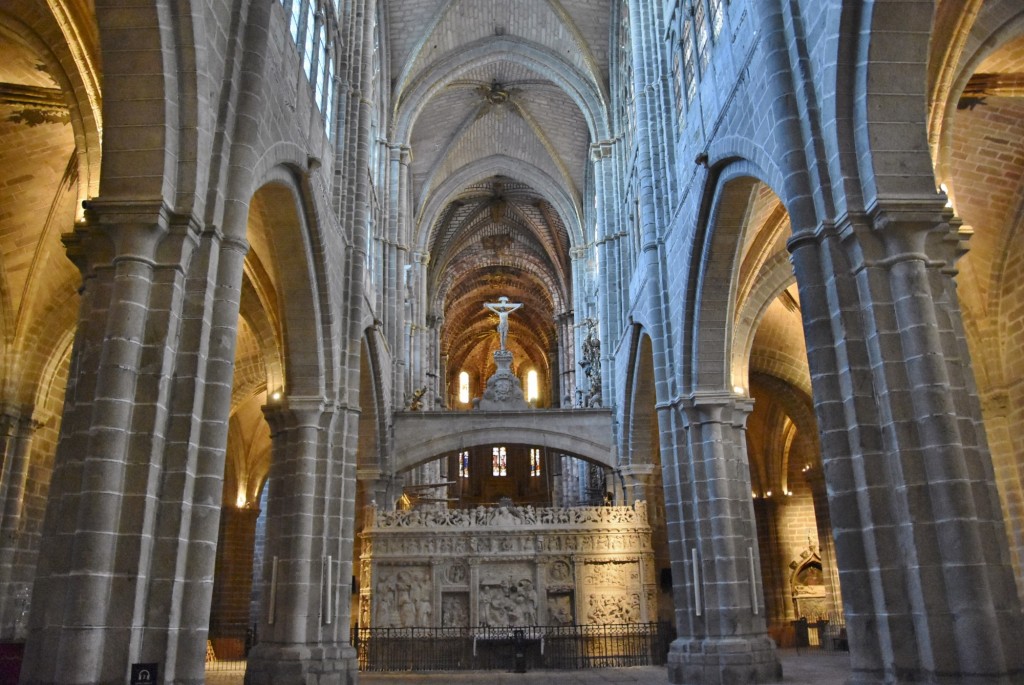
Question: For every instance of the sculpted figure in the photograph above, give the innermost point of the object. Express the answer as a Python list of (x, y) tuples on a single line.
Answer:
[(502, 308)]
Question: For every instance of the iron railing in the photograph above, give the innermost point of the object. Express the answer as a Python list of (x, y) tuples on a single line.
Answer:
[(826, 634), (529, 647)]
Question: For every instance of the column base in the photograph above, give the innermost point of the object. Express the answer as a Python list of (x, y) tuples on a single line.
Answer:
[(273, 664), (889, 678), (723, 661)]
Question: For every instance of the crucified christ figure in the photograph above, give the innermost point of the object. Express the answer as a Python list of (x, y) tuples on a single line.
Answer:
[(503, 308)]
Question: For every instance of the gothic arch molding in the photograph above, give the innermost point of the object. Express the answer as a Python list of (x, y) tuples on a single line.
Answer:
[(889, 99), (377, 402), (712, 279), (583, 91), (293, 240), (575, 445), (432, 205), (774, 277), (72, 67), (640, 399), (160, 68), (985, 45)]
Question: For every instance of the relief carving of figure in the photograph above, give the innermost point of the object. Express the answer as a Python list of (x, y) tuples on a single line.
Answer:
[(454, 612)]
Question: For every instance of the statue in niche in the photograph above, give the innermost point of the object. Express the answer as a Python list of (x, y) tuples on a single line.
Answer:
[(591, 364), (560, 610), (416, 402), (456, 574), (364, 613), (454, 611)]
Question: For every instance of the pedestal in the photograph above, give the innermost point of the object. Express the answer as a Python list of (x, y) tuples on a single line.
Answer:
[(273, 664), (503, 392), (723, 661)]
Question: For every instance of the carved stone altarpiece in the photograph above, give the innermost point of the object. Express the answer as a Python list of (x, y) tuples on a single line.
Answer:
[(507, 566)]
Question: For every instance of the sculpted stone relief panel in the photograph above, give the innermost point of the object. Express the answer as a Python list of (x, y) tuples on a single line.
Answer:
[(613, 592), (506, 566), (403, 598), (560, 611), (509, 603), (455, 610)]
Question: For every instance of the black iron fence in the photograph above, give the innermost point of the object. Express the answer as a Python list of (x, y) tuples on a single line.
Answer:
[(826, 634), (519, 649)]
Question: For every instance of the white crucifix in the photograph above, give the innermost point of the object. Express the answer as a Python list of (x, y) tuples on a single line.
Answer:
[(503, 308)]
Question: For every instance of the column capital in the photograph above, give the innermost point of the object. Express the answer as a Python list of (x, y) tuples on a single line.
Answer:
[(921, 230), (719, 406), (399, 152), (602, 149), (296, 411), (115, 230), (637, 470)]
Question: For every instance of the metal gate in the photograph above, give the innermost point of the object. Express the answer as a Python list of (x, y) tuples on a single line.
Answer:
[(535, 647)]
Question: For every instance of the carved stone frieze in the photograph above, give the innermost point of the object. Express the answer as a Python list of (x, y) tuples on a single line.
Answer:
[(518, 517), (506, 566)]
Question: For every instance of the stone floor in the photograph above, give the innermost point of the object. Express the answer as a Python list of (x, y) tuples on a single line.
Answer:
[(799, 668)]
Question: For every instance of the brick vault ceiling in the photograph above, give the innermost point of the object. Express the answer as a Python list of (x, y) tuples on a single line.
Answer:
[(497, 231)]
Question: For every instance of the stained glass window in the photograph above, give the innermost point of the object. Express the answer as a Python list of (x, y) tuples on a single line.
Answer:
[(534, 462), (689, 66), (464, 387), (715, 7), (463, 464), (499, 462), (677, 82), (700, 24)]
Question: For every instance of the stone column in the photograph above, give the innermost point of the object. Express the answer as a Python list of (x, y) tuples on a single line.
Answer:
[(303, 626), (474, 590), (927, 583), (121, 503), (556, 481), (774, 568), (16, 429), (640, 484), (396, 251), (232, 582), (607, 244), (720, 623)]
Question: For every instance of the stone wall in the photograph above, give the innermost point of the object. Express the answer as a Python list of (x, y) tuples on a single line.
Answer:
[(507, 566)]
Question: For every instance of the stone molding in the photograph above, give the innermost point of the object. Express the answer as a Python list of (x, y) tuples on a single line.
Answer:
[(504, 517)]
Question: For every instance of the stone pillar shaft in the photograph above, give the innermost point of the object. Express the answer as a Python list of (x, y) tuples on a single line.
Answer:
[(720, 620), (16, 429), (135, 494), (919, 540)]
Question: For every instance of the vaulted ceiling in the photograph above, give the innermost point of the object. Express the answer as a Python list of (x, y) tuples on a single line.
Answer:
[(498, 101)]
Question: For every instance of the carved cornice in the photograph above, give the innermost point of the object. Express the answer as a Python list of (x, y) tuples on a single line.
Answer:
[(515, 519)]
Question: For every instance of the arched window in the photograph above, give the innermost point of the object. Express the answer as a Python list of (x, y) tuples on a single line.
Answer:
[(464, 387), (499, 462), (531, 386), (308, 43), (534, 462), (463, 464)]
